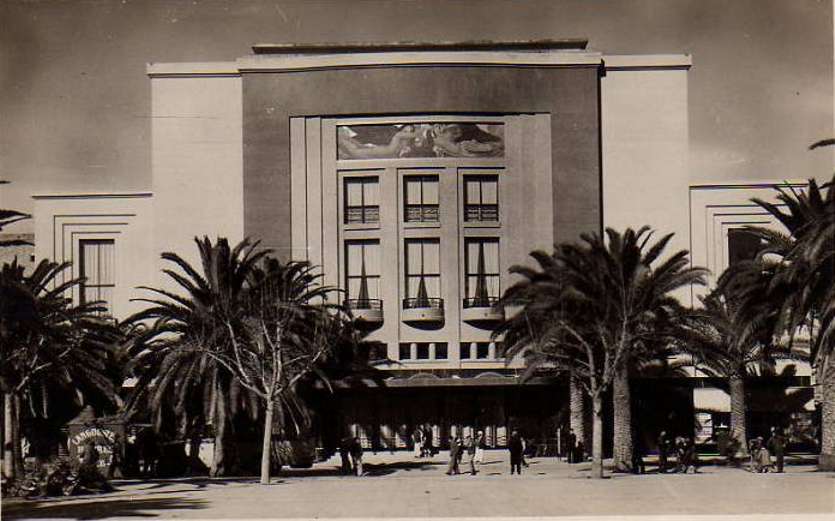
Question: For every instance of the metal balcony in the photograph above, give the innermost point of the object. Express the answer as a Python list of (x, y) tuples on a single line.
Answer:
[(369, 311), (481, 309), (423, 310)]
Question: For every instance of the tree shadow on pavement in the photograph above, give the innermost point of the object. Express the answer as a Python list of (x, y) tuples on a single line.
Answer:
[(117, 507), (369, 469)]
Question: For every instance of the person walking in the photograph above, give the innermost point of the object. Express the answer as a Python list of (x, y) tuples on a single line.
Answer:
[(470, 445), (638, 455), (454, 456), (417, 441), (428, 448), (691, 457), (515, 448), (763, 456), (754, 451), (777, 446), (356, 455), (681, 454), (345, 454), (663, 452), (480, 446)]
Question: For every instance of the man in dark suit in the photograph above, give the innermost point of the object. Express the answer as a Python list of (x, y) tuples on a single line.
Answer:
[(515, 447), (571, 445), (777, 447), (663, 451)]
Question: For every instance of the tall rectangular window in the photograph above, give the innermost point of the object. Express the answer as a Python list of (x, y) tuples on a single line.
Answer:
[(481, 283), (362, 200), (362, 272), (742, 245), (423, 271), (97, 268), (481, 198), (421, 198)]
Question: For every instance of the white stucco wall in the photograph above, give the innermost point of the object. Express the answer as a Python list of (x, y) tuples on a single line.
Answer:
[(196, 156), (62, 220), (645, 145)]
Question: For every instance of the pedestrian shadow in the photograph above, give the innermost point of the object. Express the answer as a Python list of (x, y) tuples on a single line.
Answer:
[(369, 469), (199, 482), (384, 469), (122, 507)]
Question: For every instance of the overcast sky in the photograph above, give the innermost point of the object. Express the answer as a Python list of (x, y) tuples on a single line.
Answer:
[(75, 100)]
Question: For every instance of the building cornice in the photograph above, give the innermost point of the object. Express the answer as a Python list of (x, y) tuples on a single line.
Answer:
[(748, 185), (408, 46), (94, 195), (294, 58), (617, 62), (301, 62), (221, 69)]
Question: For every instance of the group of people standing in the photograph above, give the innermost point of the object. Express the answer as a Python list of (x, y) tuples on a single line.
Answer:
[(474, 448), (350, 452), (422, 442), (574, 449), (682, 447), (761, 452)]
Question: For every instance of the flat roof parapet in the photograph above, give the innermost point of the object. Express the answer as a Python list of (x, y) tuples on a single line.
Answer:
[(578, 44)]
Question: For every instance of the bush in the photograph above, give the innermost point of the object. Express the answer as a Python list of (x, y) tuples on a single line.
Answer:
[(296, 453), (58, 477)]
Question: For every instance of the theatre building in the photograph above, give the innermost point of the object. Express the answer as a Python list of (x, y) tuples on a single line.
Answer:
[(415, 175)]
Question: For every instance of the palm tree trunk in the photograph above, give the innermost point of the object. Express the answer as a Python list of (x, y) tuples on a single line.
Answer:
[(17, 449), (597, 437), (219, 464), (622, 403), (8, 436), (265, 448), (826, 460), (739, 428), (577, 409)]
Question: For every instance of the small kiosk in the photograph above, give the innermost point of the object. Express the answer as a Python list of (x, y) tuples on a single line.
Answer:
[(107, 435)]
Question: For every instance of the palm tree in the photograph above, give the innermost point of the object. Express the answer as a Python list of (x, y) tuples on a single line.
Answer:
[(801, 262), (175, 375), (595, 308), (732, 339), (48, 345), (539, 294), (639, 311)]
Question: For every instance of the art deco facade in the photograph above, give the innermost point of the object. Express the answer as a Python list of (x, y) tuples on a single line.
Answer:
[(415, 176)]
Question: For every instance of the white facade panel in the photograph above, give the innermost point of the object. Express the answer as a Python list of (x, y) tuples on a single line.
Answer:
[(197, 162), (645, 146)]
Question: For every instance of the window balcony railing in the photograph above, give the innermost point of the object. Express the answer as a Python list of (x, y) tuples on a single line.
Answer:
[(481, 212), (367, 303), (480, 302), (414, 303), (481, 309), (423, 310), (362, 214), (369, 310), (426, 213)]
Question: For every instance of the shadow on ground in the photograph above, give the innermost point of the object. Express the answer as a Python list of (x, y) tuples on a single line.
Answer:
[(117, 507), (369, 469)]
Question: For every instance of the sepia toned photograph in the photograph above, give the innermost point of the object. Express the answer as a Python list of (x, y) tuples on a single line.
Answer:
[(425, 259)]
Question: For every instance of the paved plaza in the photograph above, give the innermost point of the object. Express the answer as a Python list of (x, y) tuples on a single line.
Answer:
[(397, 486)]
